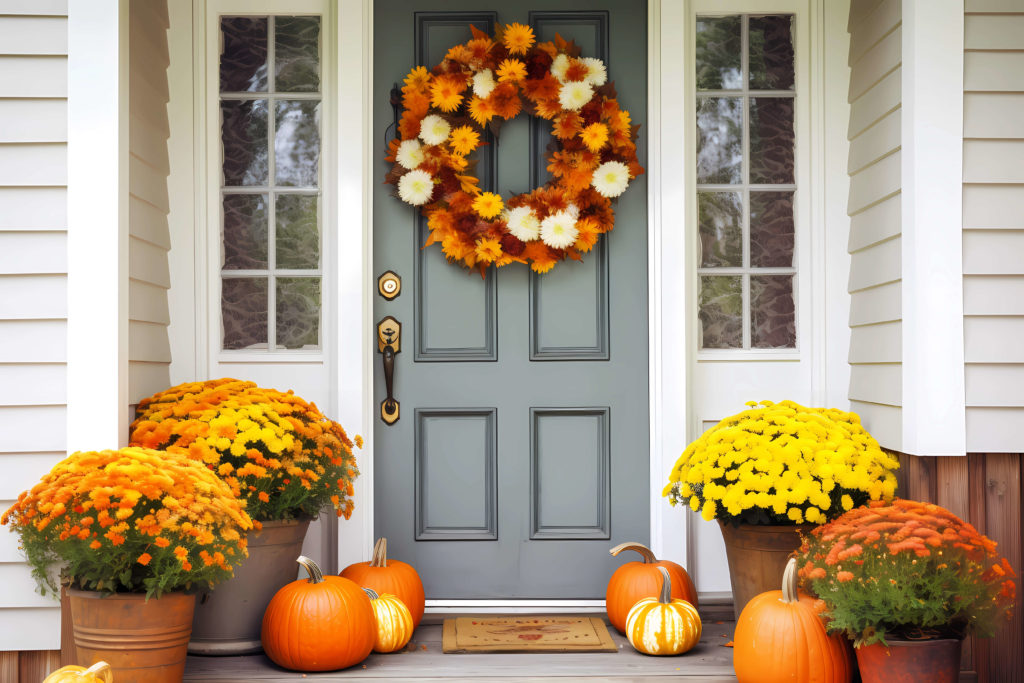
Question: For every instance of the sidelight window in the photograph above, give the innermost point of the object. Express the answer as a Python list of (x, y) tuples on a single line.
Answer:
[(271, 202), (745, 105)]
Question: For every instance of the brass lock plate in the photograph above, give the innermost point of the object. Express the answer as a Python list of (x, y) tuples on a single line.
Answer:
[(389, 285), (389, 333)]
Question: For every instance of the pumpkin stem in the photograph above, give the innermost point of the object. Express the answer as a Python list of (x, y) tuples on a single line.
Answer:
[(666, 587), (380, 553), (789, 594), (371, 593), (315, 575), (96, 668), (648, 556)]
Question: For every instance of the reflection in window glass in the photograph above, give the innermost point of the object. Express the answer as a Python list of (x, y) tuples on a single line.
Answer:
[(271, 229), (745, 164)]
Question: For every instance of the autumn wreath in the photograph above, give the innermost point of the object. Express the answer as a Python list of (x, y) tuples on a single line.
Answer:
[(476, 86)]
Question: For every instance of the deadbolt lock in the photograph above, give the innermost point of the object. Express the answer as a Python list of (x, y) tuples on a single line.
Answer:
[(389, 285)]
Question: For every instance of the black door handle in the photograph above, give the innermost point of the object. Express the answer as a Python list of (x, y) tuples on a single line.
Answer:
[(390, 406), (389, 340)]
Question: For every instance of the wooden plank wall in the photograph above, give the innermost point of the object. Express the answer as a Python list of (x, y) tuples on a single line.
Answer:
[(986, 489)]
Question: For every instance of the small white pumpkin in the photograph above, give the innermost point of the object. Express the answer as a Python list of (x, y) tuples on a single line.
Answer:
[(661, 625)]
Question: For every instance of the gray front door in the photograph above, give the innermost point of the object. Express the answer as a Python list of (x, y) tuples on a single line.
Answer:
[(521, 454)]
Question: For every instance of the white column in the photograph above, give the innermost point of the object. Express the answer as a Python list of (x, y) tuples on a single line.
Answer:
[(932, 199), (97, 337)]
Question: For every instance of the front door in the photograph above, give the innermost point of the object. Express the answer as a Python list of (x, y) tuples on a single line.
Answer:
[(521, 452)]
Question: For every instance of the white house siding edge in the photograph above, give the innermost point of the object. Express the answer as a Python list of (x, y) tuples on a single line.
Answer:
[(33, 289), (993, 224), (149, 351), (875, 218)]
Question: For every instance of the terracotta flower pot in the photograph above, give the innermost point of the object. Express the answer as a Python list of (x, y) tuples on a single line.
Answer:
[(228, 618), (910, 661), (757, 557), (144, 641)]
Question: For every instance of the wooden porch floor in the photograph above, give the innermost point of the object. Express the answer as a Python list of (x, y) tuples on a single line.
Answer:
[(422, 660)]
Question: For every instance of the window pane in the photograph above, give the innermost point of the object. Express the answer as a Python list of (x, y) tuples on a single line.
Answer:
[(720, 219), (721, 312), (298, 232), (298, 312), (297, 54), (771, 53), (243, 303), (771, 140), (772, 319), (244, 138), (245, 232), (297, 143), (718, 53), (771, 229), (243, 61), (719, 140)]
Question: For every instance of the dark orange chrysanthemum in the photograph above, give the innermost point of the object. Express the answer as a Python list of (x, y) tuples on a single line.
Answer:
[(518, 38), (567, 125)]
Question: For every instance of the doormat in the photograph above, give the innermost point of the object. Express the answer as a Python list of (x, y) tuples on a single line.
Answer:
[(526, 634)]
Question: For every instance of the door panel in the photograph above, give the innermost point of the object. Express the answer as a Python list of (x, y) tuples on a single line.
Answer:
[(522, 452)]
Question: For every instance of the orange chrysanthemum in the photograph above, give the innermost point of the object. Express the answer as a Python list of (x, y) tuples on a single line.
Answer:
[(488, 250), (595, 136), (144, 559), (488, 205), (446, 92), (464, 140), (511, 71), (481, 111), (518, 38), (567, 125), (418, 78)]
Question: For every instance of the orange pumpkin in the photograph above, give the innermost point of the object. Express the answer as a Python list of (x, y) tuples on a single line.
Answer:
[(318, 624), (100, 672), (394, 622), (635, 580), (785, 621), (663, 625), (390, 576)]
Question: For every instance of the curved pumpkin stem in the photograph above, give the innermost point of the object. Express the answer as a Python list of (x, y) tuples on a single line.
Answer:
[(380, 553), (315, 575), (666, 587), (372, 594), (100, 667), (789, 594), (648, 556)]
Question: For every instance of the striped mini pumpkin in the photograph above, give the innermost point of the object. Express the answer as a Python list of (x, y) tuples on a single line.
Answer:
[(394, 621), (663, 626)]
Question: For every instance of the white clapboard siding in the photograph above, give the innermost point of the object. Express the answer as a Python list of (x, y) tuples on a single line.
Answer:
[(33, 120), (994, 295), (33, 287), (994, 207), (992, 385), (993, 115), (994, 430), (993, 252), (993, 339), (873, 204), (33, 297), (994, 161), (1001, 71), (149, 283)]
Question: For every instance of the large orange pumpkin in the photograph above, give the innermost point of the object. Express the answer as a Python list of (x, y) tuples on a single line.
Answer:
[(636, 580), (390, 576), (318, 624), (784, 621)]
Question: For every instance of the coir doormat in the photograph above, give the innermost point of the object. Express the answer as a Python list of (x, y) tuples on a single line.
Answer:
[(526, 634)]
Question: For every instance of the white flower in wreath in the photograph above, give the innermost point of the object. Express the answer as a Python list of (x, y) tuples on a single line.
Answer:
[(434, 130), (484, 84), (597, 74), (416, 187), (558, 230), (559, 66), (410, 154), (574, 94), (611, 178), (523, 223)]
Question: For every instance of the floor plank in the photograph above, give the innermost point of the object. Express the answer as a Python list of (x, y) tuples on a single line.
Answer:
[(422, 660)]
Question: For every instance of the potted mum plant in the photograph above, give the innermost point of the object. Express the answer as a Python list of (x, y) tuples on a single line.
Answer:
[(133, 530), (772, 471), (907, 581), (282, 457)]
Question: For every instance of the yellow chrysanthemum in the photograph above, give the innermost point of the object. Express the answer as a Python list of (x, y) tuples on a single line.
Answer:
[(446, 93), (464, 140), (488, 205), (418, 78), (511, 70), (481, 111), (518, 38)]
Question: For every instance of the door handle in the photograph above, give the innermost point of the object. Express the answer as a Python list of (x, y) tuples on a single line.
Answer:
[(389, 342)]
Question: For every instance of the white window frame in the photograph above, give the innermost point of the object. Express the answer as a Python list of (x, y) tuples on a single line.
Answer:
[(808, 251), (209, 274)]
